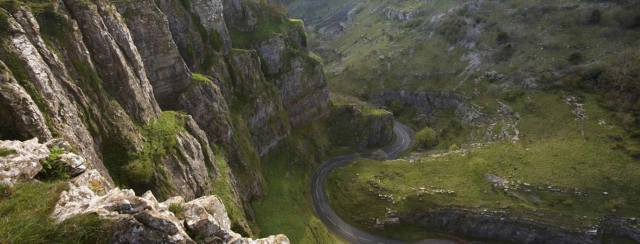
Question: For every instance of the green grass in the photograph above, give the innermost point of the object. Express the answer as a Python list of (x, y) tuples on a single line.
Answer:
[(554, 149), (285, 207), (25, 211), (223, 188), (129, 168)]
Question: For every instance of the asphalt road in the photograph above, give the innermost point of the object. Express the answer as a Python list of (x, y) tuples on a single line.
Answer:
[(404, 135)]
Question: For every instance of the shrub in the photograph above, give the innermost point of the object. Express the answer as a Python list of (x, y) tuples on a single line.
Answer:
[(452, 29), (396, 107), (177, 210), (502, 37), (504, 53), (454, 147), (426, 138), (595, 17), (575, 58), (52, 168)]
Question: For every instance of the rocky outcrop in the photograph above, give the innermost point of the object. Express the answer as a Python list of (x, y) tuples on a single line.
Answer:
[(425, 102), (272, 53), (304, 91), (470, 224), (23, 163), (352, 127), (210, 14), (397, 14), (48, 82), (20, 116), (239, 16), (143, 219)]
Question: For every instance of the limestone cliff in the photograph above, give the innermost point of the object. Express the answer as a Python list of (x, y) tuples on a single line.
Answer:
[(107, 76), (359, 127)]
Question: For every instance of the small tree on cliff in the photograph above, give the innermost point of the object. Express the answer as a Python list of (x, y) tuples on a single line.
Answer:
[(426, 138)]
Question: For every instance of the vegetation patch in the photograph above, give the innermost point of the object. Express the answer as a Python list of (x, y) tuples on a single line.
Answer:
[(6, 152), (52, 168), (285, 207), (133, 169)]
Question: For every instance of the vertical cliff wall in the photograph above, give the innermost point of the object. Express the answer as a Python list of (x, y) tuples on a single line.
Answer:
[(160, 95)]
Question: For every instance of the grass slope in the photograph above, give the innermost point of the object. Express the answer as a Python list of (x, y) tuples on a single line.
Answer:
[(25, 211), (558, 171)]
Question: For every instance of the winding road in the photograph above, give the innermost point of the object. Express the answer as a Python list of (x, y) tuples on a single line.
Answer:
[(326, 214)]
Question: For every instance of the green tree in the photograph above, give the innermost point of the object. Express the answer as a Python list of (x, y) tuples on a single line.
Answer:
[(426, 138)]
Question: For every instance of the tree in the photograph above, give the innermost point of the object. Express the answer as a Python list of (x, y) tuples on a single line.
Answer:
[(426, 138)]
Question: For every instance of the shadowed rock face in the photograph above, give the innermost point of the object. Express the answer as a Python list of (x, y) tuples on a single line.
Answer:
[(164, 67), (467, 223)]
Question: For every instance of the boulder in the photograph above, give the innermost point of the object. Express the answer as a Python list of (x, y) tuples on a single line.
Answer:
[(24, 163)]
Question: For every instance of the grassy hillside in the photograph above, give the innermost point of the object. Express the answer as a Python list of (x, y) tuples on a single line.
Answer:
[(563, 170)]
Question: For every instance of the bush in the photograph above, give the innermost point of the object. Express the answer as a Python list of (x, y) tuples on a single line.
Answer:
[(504, 53), (177, 210), (575, 58), (52, 168), (502, 37), (452, 29), (426, 138), (595, 17), (396, 107)]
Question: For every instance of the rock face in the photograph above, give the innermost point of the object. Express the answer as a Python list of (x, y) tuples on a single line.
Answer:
[(23, 163), (353, 128), (143, 219), (22, 118), (190, 171), (257, 100), (116, 58), (425, 102), (239, 16), (462, 223), (397, 14), (97, 74), (163, 65)]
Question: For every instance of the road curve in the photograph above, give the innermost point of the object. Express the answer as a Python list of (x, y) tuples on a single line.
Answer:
[(404, 135)]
